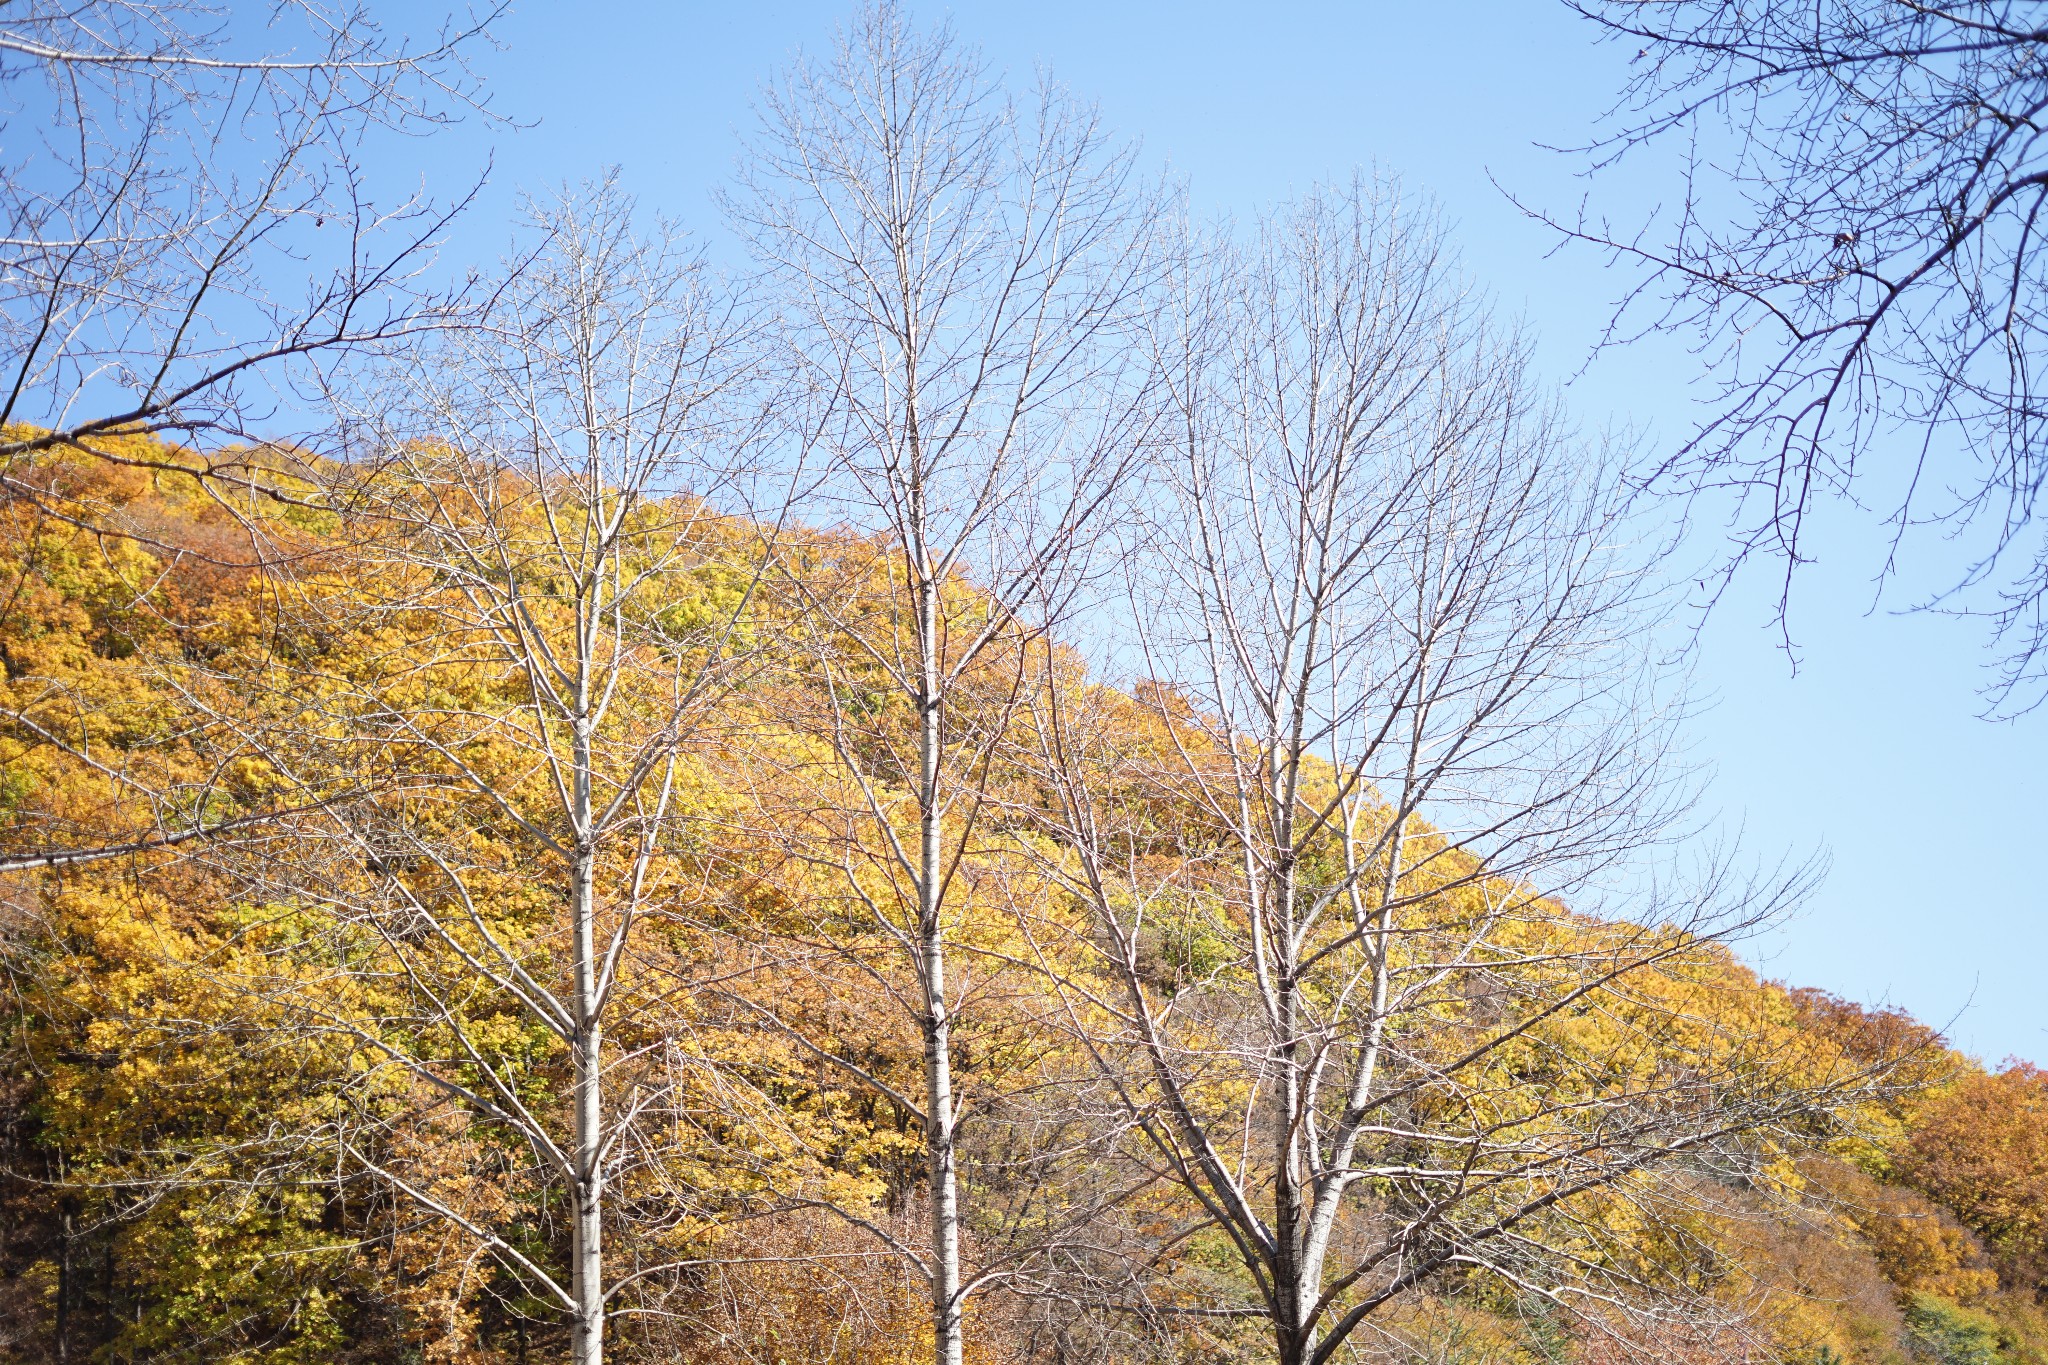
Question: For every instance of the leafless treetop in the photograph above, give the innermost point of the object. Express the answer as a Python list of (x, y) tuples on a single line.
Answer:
[(188, 212), (1856, 253)]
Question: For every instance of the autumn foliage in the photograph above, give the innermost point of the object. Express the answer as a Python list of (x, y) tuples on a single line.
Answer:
[(222, 1137)]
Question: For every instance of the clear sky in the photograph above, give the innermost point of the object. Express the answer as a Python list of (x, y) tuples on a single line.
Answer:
[(1870, 751)]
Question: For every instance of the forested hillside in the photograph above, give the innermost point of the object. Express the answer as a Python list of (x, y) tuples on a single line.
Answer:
[(984, 772), (288, 908)]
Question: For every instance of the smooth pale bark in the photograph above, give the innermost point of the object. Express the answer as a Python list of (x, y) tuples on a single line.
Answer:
[(940, 1153), (586, 1342), (948, 1334), (963, 270), (528, 481), (1384, 585)]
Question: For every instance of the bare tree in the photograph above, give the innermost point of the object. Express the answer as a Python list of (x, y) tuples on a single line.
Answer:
[(960, 270), (191, 245), (563, 556), (1393, 715), (172, 166), (1856, 251)]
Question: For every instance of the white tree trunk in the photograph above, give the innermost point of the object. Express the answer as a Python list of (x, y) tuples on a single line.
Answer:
[(948, 1334), (586, 1190)]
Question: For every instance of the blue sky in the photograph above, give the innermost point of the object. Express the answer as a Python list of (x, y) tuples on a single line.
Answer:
[(1870, 750)]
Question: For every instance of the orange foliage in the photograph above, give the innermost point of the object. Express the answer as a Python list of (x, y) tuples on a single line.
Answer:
[(1981, 1148)]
